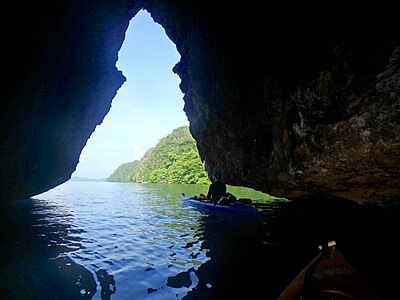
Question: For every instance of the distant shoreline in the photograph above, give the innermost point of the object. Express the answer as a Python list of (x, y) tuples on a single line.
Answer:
[(76, 178)]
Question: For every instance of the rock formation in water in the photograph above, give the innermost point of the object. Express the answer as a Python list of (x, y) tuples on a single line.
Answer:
[(294, 100)]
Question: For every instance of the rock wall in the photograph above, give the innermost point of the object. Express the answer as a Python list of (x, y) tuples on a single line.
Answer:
[(294, 100), (59, 80)]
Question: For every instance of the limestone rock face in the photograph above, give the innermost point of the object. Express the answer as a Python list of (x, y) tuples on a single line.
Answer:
[(59, 80), (294, 100)]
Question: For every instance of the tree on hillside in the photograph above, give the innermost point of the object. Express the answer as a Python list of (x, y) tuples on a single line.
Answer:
[(121, 174), (175, 159)]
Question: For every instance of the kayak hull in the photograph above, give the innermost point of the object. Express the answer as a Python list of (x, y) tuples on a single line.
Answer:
[(232, 208)]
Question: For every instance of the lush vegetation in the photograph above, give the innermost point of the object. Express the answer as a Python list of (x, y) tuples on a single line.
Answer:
[(174, 159), (122, 173)]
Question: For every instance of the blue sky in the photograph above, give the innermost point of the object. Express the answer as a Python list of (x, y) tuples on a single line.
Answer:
[(146, 108)]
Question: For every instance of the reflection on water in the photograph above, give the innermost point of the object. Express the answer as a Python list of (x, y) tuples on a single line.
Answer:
[(107, 284), (100, 240), (136, 241), (35, 242)]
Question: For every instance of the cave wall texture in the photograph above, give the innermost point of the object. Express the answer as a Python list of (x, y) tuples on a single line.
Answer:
[(295, 100)]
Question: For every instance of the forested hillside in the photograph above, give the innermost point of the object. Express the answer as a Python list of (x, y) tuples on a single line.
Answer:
[(174, 159), (122, 173)]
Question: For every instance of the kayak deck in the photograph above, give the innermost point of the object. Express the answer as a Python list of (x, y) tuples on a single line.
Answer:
[(327, 276)]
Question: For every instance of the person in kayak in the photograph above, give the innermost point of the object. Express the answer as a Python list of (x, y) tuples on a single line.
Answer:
[(217, 188)]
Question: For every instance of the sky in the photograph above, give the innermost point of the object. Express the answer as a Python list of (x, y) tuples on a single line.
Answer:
[(146, 108)]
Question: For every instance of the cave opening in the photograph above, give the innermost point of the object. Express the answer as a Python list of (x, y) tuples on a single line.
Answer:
[(147, 107)]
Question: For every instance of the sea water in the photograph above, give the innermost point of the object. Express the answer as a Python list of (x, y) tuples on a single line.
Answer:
[(100, 240)]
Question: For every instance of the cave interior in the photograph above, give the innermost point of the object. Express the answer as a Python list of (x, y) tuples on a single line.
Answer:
[(306, 96)]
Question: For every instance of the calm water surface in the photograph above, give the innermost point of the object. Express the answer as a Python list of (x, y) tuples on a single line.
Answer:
[(96, 240)]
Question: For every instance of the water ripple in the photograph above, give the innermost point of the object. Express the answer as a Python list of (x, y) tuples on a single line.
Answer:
[(137, 241), (133, 241)]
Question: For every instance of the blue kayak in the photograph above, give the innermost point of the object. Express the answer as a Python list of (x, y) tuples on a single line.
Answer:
[(233, 207)]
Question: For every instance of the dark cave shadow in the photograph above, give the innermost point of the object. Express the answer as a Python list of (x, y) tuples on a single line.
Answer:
[(258, 260), (33, 255)]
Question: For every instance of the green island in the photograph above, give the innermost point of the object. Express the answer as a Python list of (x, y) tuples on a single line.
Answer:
[(175, 159)]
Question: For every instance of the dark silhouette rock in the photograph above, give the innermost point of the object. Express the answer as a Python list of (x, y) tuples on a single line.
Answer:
[(294, 100)]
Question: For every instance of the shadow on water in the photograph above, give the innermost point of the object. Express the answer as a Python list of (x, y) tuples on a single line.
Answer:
[(234, 248), (107, 284), (163, 250), (256, 260), (33, 255)]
